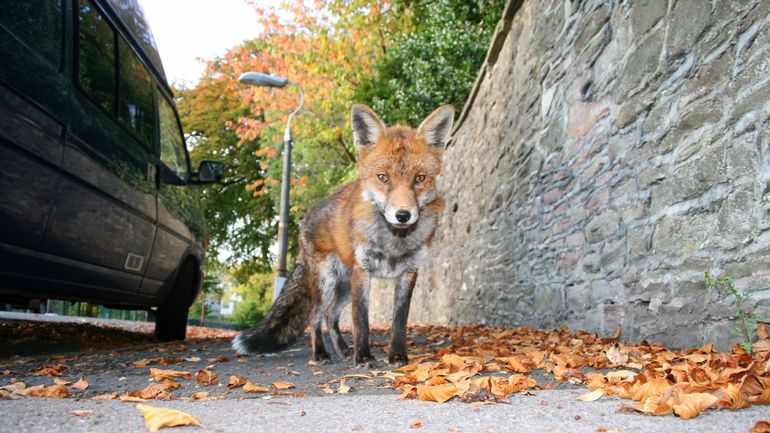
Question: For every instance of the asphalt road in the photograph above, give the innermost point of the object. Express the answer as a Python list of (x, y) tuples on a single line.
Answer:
[(370, 407)]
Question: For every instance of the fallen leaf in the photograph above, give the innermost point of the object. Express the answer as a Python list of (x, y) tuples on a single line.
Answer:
[(58, 381), (592, 396), (282, 385), (81, 384), (106, 396), (53, 391), (690, 405), (415, 425), (236, 381), (616, 357), (761, 427), (158, 374), (344, 388), (762, 331), (250, 387), (50, 370), (200, 395), (170, 384), (157, 417), (219, 359), (206, 378), (437, 393), (81, 412)]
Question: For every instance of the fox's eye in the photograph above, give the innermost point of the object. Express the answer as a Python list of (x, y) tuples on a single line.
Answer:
[(383, 178), (419, 178)]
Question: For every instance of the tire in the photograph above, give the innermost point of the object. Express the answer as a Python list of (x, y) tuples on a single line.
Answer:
[(171, 317)]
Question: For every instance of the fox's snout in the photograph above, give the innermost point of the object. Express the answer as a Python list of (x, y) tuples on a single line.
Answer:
[(401, 206)]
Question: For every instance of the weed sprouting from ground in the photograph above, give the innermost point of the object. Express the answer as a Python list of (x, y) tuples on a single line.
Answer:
[(746, 322)]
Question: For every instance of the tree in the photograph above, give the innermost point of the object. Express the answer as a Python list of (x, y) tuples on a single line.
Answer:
[(403, 57), (433, 58)]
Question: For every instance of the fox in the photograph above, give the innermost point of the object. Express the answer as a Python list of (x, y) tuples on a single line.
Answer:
[(377, 226)]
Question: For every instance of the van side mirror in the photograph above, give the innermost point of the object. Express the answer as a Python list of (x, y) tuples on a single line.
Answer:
[(209, 172)]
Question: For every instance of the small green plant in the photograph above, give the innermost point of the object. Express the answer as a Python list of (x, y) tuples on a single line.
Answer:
[(747, 323)]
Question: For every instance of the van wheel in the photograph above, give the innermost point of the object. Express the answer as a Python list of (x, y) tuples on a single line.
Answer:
[(171, 317)]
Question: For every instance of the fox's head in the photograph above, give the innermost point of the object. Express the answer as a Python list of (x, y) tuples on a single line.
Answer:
[(398, 165)]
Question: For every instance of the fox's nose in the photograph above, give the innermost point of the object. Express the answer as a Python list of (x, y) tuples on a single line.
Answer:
[(403, 216)]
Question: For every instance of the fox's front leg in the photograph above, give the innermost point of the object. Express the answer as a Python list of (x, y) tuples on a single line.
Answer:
[(359, 287), (402, 297)]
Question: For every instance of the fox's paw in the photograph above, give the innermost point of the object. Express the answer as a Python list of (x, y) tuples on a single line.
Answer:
[(322, 357), (398, 359), (366, 362)]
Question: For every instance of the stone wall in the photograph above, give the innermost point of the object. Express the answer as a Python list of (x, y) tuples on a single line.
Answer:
[(611, 153)]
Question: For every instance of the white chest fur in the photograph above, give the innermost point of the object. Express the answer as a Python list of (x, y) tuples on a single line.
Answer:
[(389, 253)]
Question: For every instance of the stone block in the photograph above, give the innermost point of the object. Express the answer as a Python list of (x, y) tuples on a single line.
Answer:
[(645, 14), (686, 23), (736, 221), (594, 22), (643, 61), (602, 226), (679, 235)]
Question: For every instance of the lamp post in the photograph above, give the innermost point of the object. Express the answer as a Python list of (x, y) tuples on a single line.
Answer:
[(264, 80)]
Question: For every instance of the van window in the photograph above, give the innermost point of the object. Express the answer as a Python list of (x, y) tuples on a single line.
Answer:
[(172, 147), (135, 107), (36, 22), (96, 56)]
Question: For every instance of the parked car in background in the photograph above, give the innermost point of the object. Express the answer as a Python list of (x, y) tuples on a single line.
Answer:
[(96, 202)]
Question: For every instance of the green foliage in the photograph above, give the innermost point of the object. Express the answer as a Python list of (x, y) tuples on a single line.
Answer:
[(747, 323), (257, 294), (433, 58), (404, 58), (237, 219)]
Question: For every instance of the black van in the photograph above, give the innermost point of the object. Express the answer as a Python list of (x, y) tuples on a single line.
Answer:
[(95, 202)]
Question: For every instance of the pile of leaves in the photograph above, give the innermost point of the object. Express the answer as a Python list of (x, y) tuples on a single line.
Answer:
[(656, 380)]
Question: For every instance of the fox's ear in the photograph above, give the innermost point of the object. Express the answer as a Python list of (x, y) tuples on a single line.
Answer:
[(437, 127), (367, 127)]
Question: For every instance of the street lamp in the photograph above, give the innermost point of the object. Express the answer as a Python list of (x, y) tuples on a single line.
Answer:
[(264, 80)]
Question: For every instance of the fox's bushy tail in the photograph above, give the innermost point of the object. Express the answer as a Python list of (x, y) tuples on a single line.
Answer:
[(286, 320)]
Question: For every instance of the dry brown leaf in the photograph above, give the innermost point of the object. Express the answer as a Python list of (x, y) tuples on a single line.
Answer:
[(81, 384), (158, 374), (437, 393), (761, 427), (200, 395), (653, 389), (50, 370), (250, 387), (592, 396), (415, 425), (690, 405), (57, 381), (762, 331), (81, 412), (206, 378), (236, 381), (282, 385), (616, 357), (53, 391), (170, 384), (344, 388), (157, 418), (106, 396)]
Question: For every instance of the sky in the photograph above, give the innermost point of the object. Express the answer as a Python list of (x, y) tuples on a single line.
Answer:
[(188, 30)]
